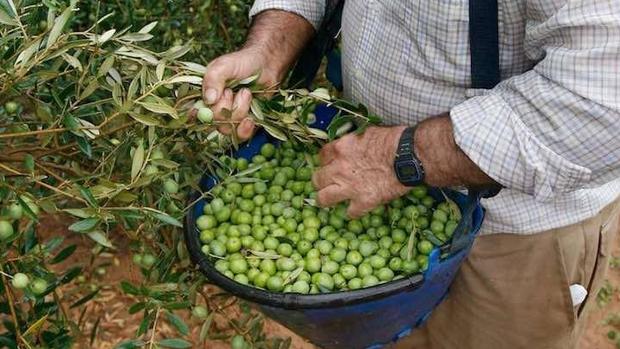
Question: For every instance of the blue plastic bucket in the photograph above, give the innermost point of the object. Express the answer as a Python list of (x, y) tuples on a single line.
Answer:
[(365, 318)]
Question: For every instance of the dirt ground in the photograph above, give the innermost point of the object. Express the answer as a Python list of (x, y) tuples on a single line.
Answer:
[(115, 324)]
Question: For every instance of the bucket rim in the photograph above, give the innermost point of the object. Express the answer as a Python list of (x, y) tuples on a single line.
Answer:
[(296, 300)]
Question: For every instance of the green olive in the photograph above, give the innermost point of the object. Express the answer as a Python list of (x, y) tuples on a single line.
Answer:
[(15, 211), (11, 107), (38, 286), (20, 281), (171, 186), (263, 231), (6, 230), (200, 312)]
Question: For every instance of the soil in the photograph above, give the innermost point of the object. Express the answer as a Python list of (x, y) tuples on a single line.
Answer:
[(110, 306)]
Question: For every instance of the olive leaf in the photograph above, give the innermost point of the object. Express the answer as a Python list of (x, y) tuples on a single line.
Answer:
[(178, 323), (411, 242), (293, 275), (147, 120), (455, 211), (101, 39), (321, 93), (147, 28), (36, 326), (7, 18), (195, 80), (339, 125), (27, 53), (275, 132), (256, 110), (137, 161), (175, 343), (160, 108), (106, 66), (243, 82), (206, 326), (166, 218), (264, 255), (100, 238), (59, 24), (84, 225), (135, 37), (428, 235)]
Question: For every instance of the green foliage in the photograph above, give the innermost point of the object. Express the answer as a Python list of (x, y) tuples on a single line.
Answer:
[(213, 27), (95, 126)]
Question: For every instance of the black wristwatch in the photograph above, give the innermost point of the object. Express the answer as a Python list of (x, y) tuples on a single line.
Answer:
[(407, 166)]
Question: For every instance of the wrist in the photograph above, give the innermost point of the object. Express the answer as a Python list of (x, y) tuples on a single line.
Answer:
[(278, 37), (444, 162), (407, 166)]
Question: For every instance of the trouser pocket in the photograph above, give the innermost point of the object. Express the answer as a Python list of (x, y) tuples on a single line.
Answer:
[(607, 233)]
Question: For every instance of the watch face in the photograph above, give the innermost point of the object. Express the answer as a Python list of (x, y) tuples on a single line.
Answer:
[(407, 172)]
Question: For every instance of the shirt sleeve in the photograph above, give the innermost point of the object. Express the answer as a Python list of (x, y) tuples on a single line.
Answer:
[(555, 128), (311, 10)]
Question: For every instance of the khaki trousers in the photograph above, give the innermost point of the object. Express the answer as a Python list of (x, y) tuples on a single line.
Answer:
[(513, 290)]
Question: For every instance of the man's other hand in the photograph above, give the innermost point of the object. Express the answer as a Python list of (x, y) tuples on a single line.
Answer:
[(231, 109), (360, 169), (275, 40)]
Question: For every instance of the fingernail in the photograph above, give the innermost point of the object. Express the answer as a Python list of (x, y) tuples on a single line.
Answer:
[(211, 96)]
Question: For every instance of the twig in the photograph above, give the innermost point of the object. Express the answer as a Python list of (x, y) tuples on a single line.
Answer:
[(49, 172), (9, 295), (33, 133), (43, 184), (41, 132), (151, 341)]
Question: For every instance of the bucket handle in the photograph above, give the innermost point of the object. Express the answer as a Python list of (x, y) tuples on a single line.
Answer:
[(463, 235)]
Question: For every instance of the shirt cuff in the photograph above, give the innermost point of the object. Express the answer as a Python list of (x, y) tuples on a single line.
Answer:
[(493, 136), (311, 10)]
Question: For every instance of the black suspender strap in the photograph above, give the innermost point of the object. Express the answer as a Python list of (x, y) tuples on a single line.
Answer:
[(484, 43), (484, 47), (324, 41)]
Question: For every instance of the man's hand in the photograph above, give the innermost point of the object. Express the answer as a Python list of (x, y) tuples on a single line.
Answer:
[(232, 66), (360, 169), (274, 41)]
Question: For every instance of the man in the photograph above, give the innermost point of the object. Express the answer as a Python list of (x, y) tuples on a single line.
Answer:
[(548, 133)]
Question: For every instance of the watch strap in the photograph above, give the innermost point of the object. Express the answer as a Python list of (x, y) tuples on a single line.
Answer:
[(406, 152)]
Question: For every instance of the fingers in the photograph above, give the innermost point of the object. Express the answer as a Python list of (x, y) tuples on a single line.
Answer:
[(241, 106), (231, 112), (246, 129), (358, 208), (327, 153), (222, 109), (214, 81), (324, 177), (331, 195)]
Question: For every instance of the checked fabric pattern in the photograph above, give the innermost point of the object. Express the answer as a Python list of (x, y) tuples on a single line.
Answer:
[(550, 131)]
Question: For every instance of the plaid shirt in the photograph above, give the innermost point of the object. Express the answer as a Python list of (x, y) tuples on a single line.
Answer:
[(549, 132)]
